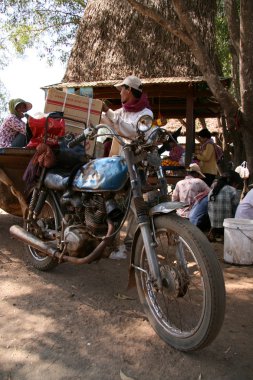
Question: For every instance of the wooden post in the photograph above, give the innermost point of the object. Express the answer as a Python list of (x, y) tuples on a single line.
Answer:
[(190, 128)]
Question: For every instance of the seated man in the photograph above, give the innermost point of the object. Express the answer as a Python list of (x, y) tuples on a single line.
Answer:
[(199, 212), (187, 189)]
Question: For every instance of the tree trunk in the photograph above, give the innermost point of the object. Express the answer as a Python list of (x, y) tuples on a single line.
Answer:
[(246, 77), (243, 47)]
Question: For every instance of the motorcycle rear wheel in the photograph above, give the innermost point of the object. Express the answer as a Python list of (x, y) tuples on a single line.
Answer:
[(48, 217), (188, 312)]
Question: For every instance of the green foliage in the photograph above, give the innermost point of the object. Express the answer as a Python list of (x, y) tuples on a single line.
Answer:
[(20, 37), (49, 25), (222, 40)]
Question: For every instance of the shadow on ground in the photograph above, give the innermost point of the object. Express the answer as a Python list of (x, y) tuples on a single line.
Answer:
[(70, 324)]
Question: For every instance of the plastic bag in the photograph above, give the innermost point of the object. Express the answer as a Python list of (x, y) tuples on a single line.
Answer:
[(243, 170), (121, 253), (46, 130)]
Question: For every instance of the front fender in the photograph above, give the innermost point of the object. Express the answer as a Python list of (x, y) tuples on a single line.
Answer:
[(166, 207), (161, 208)]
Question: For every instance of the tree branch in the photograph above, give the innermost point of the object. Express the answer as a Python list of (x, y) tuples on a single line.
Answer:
[(51, 12), (168, 25), (52, 26), (209, 72), (190, 36)]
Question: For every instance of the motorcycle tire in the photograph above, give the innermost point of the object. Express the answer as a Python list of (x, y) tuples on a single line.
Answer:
[(188, 312), (47, 215)]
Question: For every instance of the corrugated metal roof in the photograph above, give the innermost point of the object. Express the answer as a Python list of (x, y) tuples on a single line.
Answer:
[(107, 83)]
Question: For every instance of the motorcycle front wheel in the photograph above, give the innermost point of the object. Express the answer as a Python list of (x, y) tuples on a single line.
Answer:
[(188, 312), (46, 220)]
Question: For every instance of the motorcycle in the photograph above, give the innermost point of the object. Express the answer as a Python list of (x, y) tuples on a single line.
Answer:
[(75, 216)]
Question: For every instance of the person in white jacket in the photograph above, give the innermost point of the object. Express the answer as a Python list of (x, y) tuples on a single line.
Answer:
[(124, 120), (134, 105)]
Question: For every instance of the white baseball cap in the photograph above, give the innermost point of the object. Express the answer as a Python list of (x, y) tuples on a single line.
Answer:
[(130, 81)]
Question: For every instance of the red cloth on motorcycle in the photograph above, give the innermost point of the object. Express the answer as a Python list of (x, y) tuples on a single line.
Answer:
[(44, 156), (55, 129)]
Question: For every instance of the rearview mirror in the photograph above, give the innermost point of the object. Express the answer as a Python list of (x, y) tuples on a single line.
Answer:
[(144, 124)]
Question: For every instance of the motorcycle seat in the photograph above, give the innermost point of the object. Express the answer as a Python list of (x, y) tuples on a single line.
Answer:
[(57, 181)]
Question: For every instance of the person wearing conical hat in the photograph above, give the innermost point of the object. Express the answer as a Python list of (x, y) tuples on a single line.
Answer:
[(13, 125)]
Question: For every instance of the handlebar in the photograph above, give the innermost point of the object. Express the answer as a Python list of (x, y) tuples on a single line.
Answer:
[(82, 137), (76, 140), (92, 132), (156, 134), (112, 133)]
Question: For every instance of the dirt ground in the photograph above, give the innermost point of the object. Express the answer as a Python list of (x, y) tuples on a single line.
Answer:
[(75, 323)]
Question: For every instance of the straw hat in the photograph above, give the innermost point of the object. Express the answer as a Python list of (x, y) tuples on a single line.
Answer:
[(195, 168)]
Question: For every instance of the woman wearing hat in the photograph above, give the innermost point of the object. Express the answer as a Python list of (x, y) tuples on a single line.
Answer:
[(13, 124)]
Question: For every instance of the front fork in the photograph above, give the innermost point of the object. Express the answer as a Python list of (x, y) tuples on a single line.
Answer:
[(143, 219)]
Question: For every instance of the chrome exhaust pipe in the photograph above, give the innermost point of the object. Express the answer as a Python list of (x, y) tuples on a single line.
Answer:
[(21, 234)]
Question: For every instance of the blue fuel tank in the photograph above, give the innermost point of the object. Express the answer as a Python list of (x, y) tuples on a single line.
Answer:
[(102, 174)]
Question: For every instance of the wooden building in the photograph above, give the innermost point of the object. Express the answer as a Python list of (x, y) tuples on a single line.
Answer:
[(177, 98)]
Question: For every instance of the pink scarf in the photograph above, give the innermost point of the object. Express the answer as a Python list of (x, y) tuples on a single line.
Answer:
[(137, 105)]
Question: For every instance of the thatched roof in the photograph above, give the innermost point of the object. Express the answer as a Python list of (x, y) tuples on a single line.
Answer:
[(114, 41), (112, 82)]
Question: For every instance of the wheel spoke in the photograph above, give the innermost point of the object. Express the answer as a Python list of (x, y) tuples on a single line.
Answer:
[(44, 227), (188, 311), (179, 306)]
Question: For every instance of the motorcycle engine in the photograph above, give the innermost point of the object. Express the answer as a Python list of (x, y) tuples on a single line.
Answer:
[(79, 242), (81, 239), (95, 215), (98, 209)]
